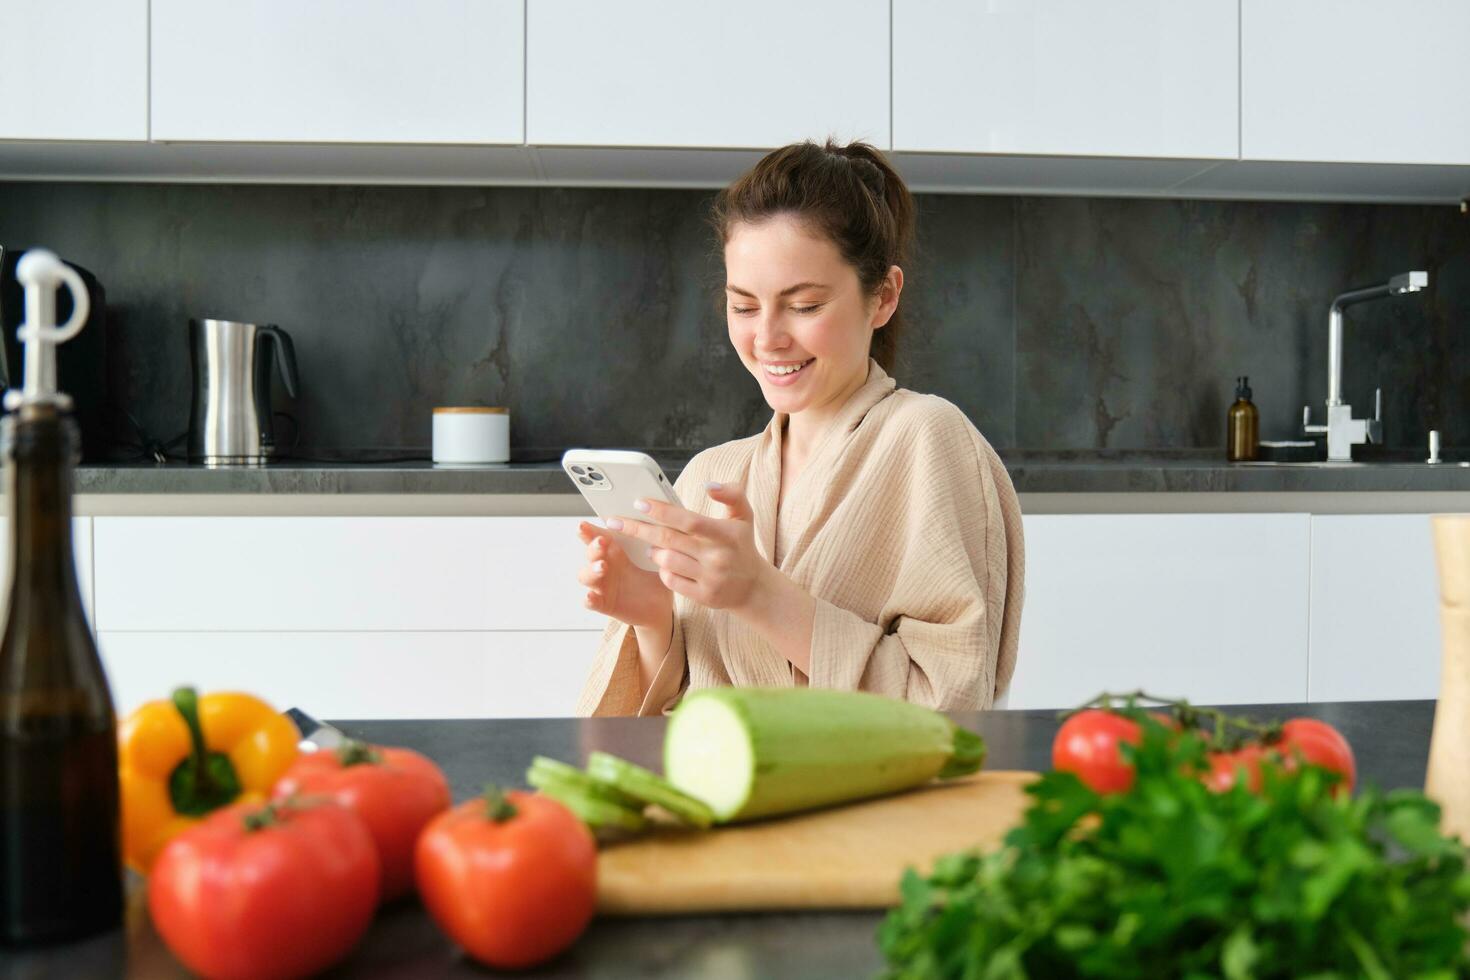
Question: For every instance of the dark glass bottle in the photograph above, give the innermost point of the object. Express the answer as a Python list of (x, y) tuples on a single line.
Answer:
[(60, 832), (1243, 425)]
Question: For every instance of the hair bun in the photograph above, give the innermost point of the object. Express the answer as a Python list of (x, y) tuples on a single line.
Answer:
[(869, 173)]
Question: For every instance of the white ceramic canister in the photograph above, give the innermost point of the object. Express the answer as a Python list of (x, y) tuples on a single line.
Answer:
[(469, 434)]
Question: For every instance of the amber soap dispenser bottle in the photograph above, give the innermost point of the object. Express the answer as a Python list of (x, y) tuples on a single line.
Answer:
[(1243, 425)]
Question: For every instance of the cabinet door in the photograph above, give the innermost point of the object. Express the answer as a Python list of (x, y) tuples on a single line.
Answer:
[(1212, 607), (363, 71), (1142, 78), (339, 573), (671, 73), (74, 69), (1375, 608), (1355, 81), (362, 675)]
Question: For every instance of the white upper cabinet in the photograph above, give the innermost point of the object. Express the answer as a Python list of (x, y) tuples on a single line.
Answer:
[(1132, 78), (329, 71), (761, 73), (1357, 81), (74, 69)]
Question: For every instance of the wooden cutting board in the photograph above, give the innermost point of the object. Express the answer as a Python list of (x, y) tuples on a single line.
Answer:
[(849, 857)]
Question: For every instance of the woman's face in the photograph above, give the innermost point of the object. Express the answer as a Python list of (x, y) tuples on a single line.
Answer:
[(792, 301)]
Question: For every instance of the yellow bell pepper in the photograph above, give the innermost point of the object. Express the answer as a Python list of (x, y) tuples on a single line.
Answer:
[(181, 759)]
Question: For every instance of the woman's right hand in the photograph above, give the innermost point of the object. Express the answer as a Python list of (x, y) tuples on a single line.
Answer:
[(618, 588)]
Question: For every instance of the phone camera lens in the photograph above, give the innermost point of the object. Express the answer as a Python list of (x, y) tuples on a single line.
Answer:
[(583, 479), (578, 470), (594, 474)]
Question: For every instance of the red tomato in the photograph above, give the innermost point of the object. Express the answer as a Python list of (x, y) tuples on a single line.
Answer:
[(395, 792), (265, 891), (1320, 744), (1226, 767), (513, 888), (1087, 745)]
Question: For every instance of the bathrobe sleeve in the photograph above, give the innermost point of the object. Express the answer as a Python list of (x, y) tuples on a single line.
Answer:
[(613, 686), (944, 638)]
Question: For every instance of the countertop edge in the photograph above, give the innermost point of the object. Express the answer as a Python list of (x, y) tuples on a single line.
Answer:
[(1100, 482), (572, 505)]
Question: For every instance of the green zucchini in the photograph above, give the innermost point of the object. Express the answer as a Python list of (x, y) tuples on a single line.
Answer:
[(649, 787), (757, 752), (595, 812), (567, 774)]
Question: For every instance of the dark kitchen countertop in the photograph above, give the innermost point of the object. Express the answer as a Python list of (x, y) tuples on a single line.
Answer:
[(1080, 471), (1391, 740)]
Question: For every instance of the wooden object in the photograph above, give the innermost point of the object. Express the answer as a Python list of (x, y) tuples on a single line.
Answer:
[(849, 857), (1448, 781)]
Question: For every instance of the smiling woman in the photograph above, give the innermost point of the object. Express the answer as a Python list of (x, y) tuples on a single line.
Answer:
[(869, 538)]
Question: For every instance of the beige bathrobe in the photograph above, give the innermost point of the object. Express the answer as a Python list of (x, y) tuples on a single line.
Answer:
[(903, 526)]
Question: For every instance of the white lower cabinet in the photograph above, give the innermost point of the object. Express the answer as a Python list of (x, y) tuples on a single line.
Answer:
[(348, 617), (511, 674), (1212, 607), (340, 573), (1375, 609), (420, 617)]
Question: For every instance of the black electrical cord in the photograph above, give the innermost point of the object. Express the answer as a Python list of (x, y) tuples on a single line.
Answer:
[(145, 447)]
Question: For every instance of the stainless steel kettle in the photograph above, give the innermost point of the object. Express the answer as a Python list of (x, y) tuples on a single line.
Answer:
[(230, 418)]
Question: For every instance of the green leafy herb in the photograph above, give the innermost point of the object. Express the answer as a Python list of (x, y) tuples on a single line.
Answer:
[(1173, 880)]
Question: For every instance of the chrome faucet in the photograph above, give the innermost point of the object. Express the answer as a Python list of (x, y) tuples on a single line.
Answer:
[(1343, 431)]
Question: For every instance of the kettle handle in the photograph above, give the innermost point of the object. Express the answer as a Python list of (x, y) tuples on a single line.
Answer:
[(285, 355)]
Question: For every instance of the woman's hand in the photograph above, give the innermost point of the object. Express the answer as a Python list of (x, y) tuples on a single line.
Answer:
[(708, 559), (618, 588)]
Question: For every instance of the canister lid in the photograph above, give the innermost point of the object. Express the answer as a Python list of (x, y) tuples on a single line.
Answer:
[(470, 410)]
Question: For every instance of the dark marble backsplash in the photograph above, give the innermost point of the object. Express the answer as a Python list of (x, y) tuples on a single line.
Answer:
[(1055, 323)]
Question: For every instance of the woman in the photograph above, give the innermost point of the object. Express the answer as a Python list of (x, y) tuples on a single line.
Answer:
[(868, 539)]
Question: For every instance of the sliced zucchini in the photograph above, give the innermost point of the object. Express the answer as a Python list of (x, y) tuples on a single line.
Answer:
[(572, 776), (595, 812), (650, 788)]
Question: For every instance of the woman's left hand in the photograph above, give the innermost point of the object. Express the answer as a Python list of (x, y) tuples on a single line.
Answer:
[(708, 559)]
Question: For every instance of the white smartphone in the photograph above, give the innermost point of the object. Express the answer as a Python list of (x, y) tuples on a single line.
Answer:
[(610, 480)]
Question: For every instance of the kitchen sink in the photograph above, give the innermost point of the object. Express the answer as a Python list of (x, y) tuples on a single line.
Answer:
[(1358, 464)]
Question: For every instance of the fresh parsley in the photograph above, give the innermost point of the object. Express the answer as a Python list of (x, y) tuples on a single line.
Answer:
[(1172, 880)]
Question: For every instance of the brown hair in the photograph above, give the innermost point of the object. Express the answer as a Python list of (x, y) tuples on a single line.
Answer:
[(850, 194)]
